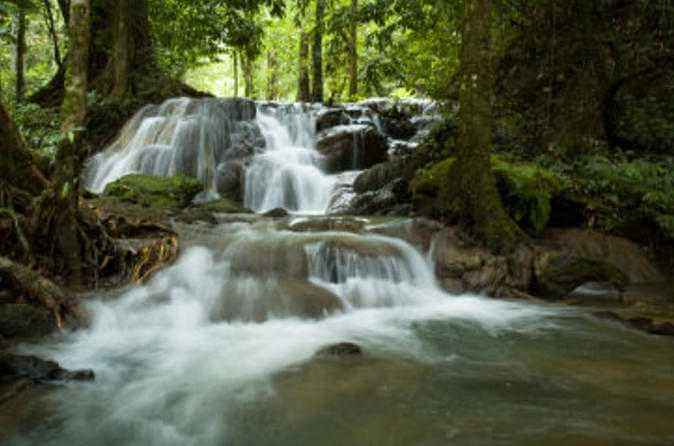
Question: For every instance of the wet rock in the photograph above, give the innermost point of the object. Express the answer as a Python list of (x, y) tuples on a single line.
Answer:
[(645, 324), (351, 147), (25, 321), (265, 258), (276, 298), (343, 349), (378, 176), (622, 254), (276, 213), (229, 179), (392, 199), (559, 274), (331, 117), (418, 232), (14, 367), (341, 224)]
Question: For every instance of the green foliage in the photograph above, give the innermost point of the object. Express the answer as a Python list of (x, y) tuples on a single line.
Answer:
[(527, 190), (40, 127), (156, 192)]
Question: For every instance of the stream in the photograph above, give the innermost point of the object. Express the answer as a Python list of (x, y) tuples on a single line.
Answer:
[(220, 348)]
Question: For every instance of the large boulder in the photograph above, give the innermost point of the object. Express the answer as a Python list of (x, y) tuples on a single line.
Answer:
[(152, 191), (352, 147), (25, 321), (13, 367), (331, 117), (276, 298)]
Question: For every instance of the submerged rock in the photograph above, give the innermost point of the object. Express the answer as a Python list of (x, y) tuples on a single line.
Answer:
[(343, 349), (14, 367), (276, 213), (259, 300), (351, 147), (25, 321), (645, 324)]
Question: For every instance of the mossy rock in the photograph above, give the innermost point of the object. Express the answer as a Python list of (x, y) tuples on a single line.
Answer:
[(156, 192), (558, 275), (25, 321), (207, 211), (527, 190)]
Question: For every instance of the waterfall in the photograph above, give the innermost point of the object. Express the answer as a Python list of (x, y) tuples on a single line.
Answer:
[(181, 136), (288, 174)]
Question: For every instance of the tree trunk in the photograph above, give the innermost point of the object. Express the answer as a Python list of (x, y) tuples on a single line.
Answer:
[(107, 42), (20, 52), (56, 221), (235, 62), (121, 50), (17, 163), (248, 75), (272, 76), (353, 51), (304, 80), (317, 88), (51, 26), (471, 189)]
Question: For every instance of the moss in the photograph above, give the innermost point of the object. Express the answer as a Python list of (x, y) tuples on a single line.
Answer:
[(25, 321), (156, 192), (206, 211), (666, 225), (526, 189)]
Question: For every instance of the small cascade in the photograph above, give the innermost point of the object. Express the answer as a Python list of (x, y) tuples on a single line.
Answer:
[(181, 136), (288, 174)]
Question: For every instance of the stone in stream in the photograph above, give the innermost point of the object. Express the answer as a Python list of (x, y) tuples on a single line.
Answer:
[(276, 213), (342, 349), (13, 367), (352, 147), (25, 321)]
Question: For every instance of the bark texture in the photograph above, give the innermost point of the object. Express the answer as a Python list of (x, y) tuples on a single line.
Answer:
[(304, 80), (235, 62), (353, 51), (317, 53), (471, 191), (20, 52)]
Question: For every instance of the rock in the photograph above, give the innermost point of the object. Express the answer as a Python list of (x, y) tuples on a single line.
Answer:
[(38, 370), (229, 179), (276, 213), (351, 147), (151, 191), (331, 117), (343, 349), (418, 232), (25, 321), (392, 199), (378, 176), (326, 224), (264, 258), (559, 274), (645, 324), (276, 298), (622, 254)]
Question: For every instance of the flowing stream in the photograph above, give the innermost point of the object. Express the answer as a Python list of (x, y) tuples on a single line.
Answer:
[(220, 348)]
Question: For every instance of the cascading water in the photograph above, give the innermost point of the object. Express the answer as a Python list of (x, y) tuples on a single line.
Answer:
[(220, 348), (288, 174)]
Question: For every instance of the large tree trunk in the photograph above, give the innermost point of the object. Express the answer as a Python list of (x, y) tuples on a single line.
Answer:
[(20, 52), (304, 80), (121, 49), (272, 76), (56, 221), (247, 63), (121, 55), (471, 189), (51, 26), (353, 51), (235, 62), (17, 164), (317, 88)]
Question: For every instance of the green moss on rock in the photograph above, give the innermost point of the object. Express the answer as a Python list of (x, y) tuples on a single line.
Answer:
[(25, 321), (526, 189), (156, 192)]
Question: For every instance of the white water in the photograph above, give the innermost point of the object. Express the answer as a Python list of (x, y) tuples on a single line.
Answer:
[(288, 174), (167, 373)]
